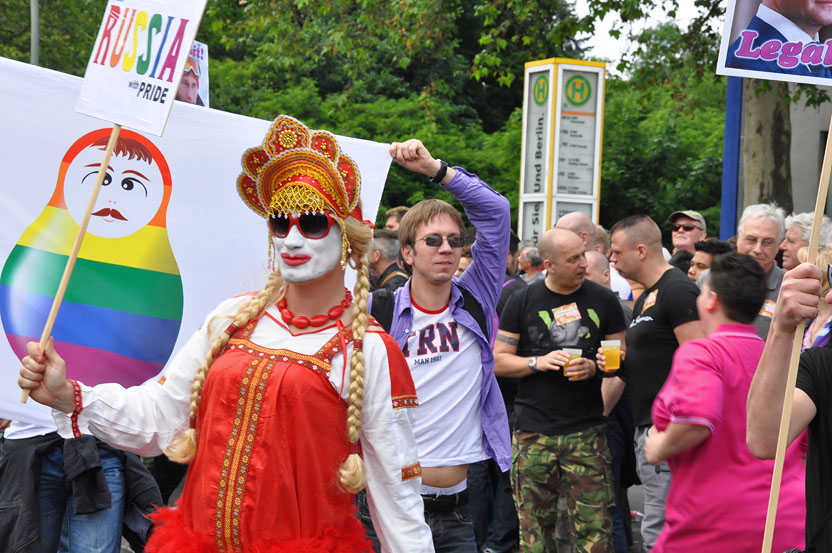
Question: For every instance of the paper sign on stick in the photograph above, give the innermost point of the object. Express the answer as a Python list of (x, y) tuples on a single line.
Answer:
[(137, 61), (777, 43)]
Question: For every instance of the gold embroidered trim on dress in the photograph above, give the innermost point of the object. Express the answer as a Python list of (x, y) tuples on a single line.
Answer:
[(308, 361), (238, 454)]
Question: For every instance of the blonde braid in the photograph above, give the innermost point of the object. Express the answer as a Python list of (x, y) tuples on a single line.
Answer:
[(352, 473), (183, 448)]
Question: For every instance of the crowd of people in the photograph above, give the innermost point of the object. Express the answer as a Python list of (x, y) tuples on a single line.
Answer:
[(473, 393), (692, 323)]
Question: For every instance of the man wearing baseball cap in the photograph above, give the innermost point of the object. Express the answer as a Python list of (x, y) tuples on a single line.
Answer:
[(687, 228)]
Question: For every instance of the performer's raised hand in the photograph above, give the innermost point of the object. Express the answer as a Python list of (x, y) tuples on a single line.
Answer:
[(44, 375), (414, 156)]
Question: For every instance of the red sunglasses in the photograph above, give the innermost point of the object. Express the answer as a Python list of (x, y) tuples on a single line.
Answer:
[(311, 225)]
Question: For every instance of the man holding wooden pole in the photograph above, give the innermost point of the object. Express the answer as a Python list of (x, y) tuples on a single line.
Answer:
[(800, 294)]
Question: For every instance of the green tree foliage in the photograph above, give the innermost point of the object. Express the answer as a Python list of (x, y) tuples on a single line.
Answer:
[(67, 32), (390, 70), (448, 72), (663, 136)]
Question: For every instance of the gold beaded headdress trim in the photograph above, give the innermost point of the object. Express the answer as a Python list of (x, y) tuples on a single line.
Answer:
[(297, 170)]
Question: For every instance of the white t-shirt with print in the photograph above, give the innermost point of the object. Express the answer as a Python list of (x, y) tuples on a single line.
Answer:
[(444, 360)]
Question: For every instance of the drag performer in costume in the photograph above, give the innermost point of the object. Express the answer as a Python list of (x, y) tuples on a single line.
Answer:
[(285, 402)]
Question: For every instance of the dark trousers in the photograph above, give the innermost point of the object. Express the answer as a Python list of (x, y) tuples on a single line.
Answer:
[(496, 527), (449, 518), (617, 441)]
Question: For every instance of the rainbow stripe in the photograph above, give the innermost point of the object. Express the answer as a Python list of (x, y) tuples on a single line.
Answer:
[(119, 319), (148, 248)]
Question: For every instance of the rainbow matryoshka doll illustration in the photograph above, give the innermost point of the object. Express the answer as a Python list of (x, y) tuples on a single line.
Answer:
[(121, 313)]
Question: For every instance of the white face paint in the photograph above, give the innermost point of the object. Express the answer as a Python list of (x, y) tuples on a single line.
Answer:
[(130, 194), (301, 259)]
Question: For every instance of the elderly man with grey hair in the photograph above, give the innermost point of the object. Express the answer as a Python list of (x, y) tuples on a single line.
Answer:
[(760, 231), (382, 256), (798, 229), (530, 262)]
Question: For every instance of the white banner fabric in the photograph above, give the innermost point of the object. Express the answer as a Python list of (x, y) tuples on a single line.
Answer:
[(197, 244)]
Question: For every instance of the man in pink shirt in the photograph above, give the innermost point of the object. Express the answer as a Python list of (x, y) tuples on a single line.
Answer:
[(719, 492)]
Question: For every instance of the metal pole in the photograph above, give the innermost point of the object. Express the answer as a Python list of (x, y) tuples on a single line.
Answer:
[(731, 158), (34, 43)]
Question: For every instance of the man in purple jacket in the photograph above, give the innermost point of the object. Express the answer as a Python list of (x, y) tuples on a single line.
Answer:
[(443, 325)]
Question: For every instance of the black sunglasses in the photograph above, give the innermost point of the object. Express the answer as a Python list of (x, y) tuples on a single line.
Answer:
[(311, 225), (675, 227), (829, 275), (434, 241)]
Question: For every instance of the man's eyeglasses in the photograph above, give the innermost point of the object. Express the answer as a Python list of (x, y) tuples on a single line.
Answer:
[(311, 225), (752, 241), (687, 227), (434, 241)]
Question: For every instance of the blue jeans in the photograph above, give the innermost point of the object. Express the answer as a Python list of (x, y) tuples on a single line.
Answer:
[(60, 528), (453, 531), (365, 518), (496, 527), (616, 439)]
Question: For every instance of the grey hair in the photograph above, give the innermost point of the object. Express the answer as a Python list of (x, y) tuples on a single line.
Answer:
[(771, 212), (386, 243), (533, 255), (804, 221)]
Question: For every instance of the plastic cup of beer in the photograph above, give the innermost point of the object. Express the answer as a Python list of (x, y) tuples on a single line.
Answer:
[(612, 352), (573, 354)]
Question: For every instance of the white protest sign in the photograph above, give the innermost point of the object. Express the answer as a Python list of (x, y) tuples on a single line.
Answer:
[(137, 61)]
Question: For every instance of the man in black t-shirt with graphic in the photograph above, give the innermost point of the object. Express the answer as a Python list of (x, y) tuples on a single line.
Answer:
[(560, 429), (800, 294), (664, 316)]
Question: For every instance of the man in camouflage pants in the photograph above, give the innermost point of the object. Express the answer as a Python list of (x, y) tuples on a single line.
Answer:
[(560, 436)]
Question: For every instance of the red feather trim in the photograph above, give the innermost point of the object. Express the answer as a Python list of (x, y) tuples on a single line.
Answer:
[(171, 535)]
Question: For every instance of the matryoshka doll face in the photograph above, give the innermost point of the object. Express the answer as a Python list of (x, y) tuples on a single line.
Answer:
[(130, 195)]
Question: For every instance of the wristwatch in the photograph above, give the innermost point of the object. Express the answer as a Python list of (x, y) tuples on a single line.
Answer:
[(443, 168), (533, 364)]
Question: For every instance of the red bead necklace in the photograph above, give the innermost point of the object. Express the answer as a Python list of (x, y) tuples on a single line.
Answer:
[(318, 320)]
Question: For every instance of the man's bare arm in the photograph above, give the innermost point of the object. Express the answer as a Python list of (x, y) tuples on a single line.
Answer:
[(675, 439), (689, 331), (798, 300), (508, 363)]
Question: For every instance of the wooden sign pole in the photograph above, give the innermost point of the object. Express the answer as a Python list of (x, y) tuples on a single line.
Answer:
[(76, 247), (791, 379)]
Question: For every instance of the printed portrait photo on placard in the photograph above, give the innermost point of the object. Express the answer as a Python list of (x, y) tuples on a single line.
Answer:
[(784, 40)]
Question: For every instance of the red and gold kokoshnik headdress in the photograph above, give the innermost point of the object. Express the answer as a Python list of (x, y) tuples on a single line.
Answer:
[(297, 170)]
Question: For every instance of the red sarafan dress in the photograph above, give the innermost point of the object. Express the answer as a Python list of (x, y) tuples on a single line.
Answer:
[(272, 436)]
